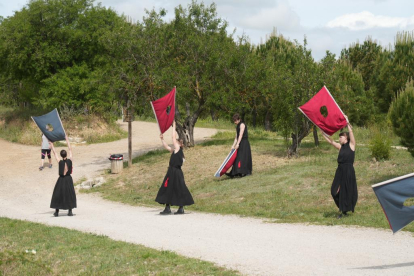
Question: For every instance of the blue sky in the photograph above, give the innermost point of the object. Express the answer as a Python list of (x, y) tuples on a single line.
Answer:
[(328, 25)]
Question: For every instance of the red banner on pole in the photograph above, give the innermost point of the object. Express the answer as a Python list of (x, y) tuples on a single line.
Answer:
[(164, 110), (333, 119)]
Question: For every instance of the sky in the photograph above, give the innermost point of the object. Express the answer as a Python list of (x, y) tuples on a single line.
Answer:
[(328, 25)]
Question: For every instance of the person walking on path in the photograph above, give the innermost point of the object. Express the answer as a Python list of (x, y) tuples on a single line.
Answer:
[(45, 151), (344, 187), (243, 164), (173, 190), (64, 196)]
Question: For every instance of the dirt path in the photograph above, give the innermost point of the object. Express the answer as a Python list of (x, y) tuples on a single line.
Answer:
[(251, 246)]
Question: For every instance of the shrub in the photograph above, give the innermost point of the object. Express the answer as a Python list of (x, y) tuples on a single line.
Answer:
[(380, 146)]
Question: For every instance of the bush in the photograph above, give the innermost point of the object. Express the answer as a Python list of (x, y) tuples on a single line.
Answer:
[(380, 145), (401, 114)]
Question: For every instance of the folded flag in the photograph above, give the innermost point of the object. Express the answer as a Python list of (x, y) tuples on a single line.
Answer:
[(51, 126), (334, 119), (391, 195), (164, 110), (228, 162)]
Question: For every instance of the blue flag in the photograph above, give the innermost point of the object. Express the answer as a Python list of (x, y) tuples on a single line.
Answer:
[(391, 195), (51, 119)]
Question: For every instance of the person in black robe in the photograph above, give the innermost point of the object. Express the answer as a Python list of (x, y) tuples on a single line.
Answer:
[(173, 190), (63, 196), (344, 187), (243, 164)]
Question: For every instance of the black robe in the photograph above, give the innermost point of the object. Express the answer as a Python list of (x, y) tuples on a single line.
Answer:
[(173, 190), (64, 196), (243, 164), (345, 180)]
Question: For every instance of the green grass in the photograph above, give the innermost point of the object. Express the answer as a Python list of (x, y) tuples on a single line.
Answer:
[(60, 251), (295, 190)]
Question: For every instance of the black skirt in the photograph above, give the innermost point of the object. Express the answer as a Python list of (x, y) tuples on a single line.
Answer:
[(345, 181), (64, 196), (173, 190), (243, 164)]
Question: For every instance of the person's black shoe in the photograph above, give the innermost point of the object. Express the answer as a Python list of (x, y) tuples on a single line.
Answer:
[(180, 211), (56, 213), (343, 214), (166, 211), (70, 213), (229, 175)]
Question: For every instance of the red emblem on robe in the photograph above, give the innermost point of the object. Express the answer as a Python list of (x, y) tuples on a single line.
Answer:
[(334, 119), (164, 110)]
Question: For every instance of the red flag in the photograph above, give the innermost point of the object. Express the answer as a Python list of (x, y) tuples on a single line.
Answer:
[(334, 120), (164, 110)]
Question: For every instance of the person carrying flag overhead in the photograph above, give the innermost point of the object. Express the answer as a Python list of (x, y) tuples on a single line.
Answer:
[(344, 187), (173, 190)]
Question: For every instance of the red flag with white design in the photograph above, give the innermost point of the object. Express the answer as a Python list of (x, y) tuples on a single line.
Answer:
[(324, 112), (164, 110)]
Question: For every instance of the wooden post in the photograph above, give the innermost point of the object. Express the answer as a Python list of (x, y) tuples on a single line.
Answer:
[(129, 117), (129, 143)]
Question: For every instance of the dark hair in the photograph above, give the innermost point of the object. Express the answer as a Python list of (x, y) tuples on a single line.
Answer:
[(236, 117), (346, 134), (63, 153)]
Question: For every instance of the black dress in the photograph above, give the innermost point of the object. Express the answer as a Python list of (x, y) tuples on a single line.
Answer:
[(64, 196), (345, 180), (173, 190), (243, 164)]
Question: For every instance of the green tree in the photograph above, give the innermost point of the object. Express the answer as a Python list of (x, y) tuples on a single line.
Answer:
[(401, 114), (198, 40), (40, 44), (396, 70)]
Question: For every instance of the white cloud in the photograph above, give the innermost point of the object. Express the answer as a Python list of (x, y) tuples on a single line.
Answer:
[(280, 16), (366, 20)]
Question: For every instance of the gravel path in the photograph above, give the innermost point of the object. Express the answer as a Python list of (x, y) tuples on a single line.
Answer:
[(252, 246)]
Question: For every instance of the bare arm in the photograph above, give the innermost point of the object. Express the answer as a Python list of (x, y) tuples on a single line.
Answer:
[(330, 141), (54, 151), (166, 146), (234, 143), (69, 148), (242, 127), (352, 143), (174, 138)]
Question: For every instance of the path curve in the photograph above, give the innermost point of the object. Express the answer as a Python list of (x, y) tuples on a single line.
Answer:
[(249, 245)]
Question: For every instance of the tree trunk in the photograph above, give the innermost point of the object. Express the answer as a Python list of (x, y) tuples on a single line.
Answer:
[(185, 129), (296, 140), (213, 114), (254, 116), (315, 136), (267, 121)]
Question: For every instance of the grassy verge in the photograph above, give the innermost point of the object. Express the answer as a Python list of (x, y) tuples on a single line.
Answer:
[(289, 190), (59, 251), (18, 127)]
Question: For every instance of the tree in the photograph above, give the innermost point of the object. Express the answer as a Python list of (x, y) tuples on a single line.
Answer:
[(363, 57), (396, 70), (198, 40), (401, 114), (48, 41)]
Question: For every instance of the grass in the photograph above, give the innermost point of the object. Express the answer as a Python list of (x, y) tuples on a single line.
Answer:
[(295, 190), (17, 126), (60, 251)]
